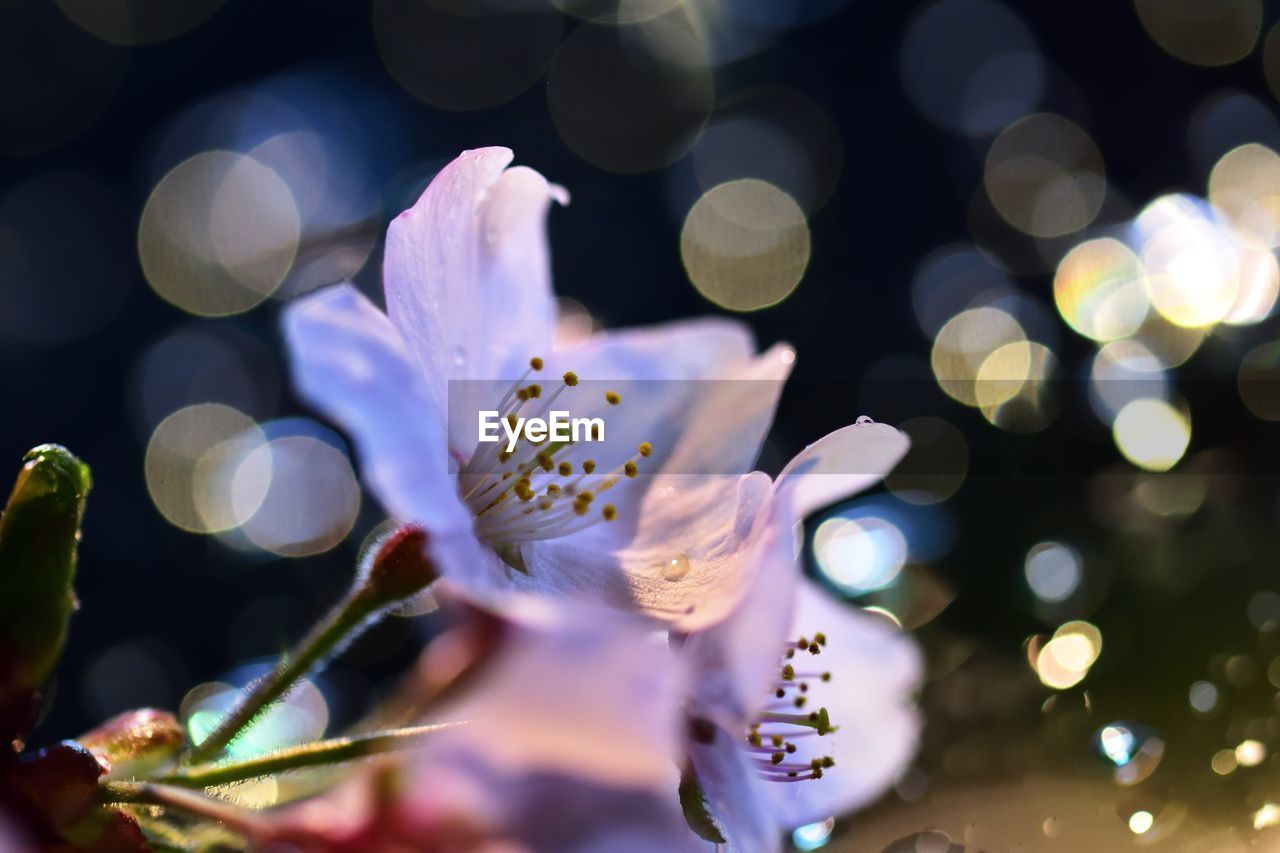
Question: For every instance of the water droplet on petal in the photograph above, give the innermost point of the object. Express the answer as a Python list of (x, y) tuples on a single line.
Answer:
[(863, 420), (675, 568), (459, 356)]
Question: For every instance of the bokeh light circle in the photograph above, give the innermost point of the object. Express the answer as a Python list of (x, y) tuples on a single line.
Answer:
[(745, 245), (1152, 434), (1045, 176), (1100, 290), (1053, 570), (55, 79), (976, 83), (962, 346), (309, 496), (1245, 187), (218, 234), (49, 295), (466, 54), (191, 461), (935, 465), (129, 22), (1203, 32), (1193, 267), (1259, 381), (631, 99), (860, 555)]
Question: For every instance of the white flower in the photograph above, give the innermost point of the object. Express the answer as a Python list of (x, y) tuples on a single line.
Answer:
[(469, 298), (801, 708)]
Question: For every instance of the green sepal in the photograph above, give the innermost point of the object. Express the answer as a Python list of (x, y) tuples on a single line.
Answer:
[(697, 813), (39, 531), (510, 554)]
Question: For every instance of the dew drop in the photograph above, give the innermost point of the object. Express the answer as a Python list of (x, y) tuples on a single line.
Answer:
[(675, 568), (863, 420), (459, 356)]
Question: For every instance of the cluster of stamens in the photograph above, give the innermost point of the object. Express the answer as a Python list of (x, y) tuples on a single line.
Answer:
[(771, 739), (540, 489)]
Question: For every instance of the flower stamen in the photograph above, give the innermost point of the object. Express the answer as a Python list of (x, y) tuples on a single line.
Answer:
[(771, 738)]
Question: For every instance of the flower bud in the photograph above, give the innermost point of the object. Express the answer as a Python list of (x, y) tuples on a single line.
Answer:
[(57, 791), (38, 535), (398, 567), (136, 742)]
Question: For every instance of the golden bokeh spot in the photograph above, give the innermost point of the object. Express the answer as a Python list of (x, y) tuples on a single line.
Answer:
[(1152, 434), (192, 461), (1245, 187), (1203, 32), (964, 344), (218, 234), (1100, 290), (1045, 176), (745, 245)]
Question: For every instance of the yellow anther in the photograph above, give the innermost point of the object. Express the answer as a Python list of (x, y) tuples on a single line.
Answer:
[(820, 638), (589, 466), (535, 390), (754, 739), (777, 741), (553, 490), (579, 508), (522, 394), (646, 449), (596, 432), (788, 672), (585, 498), (513, 420), (544, 460), (535, 363), (503, 456), (612, 398), (570, 378), (610, 512), (630, 469)]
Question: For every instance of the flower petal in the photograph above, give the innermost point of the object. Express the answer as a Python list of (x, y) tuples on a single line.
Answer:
[(350, 363), (596, 697), (736, 662), (689, 578), (543, 812), (735, 795), (875, 671), (466, 271), (840, 464)]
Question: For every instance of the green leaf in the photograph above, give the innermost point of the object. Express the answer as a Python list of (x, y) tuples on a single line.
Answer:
[(38, 535), (697, 813)]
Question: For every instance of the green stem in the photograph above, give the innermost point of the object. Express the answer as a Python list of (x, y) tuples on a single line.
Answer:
[(237, 819), (332, 751), (345, 620)]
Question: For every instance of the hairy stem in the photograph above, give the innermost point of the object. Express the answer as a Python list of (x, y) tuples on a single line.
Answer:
[(345, 621), (235, 818), (331, 751)]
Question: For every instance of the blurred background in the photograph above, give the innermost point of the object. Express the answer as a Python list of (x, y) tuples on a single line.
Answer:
[(1038, 237)]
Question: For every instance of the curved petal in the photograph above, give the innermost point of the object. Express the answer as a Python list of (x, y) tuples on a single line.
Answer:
[(541, 812), (690, 578), (875, 670), (466, 270), (595, 697), (734, 795), (840, 464), (735, 664), (351, 364)]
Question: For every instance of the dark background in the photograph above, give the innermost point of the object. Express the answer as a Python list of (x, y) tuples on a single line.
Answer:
[(1168, 597)]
